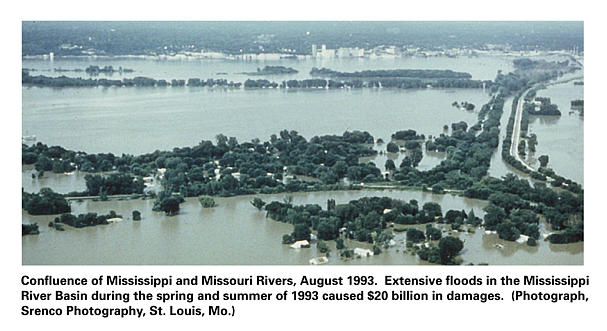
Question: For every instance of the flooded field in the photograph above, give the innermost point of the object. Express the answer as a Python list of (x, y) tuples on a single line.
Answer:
[(234, 232)]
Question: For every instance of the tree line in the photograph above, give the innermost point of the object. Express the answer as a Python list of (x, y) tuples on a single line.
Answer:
[(401, 83)]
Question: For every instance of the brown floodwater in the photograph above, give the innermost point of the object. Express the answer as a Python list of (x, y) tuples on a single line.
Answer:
[(61, 183), (120, 120), (561, 137), (235, 233)]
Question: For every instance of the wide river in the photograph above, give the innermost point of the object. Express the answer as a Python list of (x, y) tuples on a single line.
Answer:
[(141, 120)]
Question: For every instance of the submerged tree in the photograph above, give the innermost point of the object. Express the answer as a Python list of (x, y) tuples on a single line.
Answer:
[(448, 248), (136, 215), (258, 203), (392, 147), (168, 203), (543, 160), (206, 201)]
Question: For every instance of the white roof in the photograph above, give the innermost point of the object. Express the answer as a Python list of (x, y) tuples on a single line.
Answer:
[(522, 239), (363, 252), (300, 244)]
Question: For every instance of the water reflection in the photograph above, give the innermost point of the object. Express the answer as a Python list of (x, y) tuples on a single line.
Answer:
[(544, 120)]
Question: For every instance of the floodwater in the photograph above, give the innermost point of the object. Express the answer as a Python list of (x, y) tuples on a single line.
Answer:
[(234, 232), (481, 67), (561, 137), (141, 120), (60, 183)]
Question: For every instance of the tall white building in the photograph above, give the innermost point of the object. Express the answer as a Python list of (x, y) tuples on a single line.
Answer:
[(314, 50)]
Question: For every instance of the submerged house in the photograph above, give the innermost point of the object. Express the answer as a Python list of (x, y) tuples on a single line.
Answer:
[(363, 252), (301, 244)]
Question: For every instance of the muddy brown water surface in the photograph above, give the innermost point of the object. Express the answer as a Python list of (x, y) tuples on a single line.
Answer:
[(234, 232)]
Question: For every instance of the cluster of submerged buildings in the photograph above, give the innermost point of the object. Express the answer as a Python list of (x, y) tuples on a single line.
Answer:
[(322, 52), (325, 52), (385, 51)]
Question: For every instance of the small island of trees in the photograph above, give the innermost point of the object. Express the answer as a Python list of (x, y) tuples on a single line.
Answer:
[(272, 70)]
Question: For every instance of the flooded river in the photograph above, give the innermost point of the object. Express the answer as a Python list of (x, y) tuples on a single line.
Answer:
[(480, 67), (561, 137), (234, 232), (141, 120)]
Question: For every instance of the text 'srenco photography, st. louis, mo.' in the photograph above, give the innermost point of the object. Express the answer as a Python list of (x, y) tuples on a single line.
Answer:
[(302, 143)]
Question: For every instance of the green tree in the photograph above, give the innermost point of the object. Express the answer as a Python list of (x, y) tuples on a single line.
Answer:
[(206, 201), (221, 139), (543, 160), (472, 219), (433, 233), (170, 205), (29, 229), (136, 215), (433, 209), (322, 247), (46, 202), (508, 231), (532, 142), (415, 235), (493, 216), (448, 248), (258, 203), (392, 147), (438, 189), (301, 232)]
